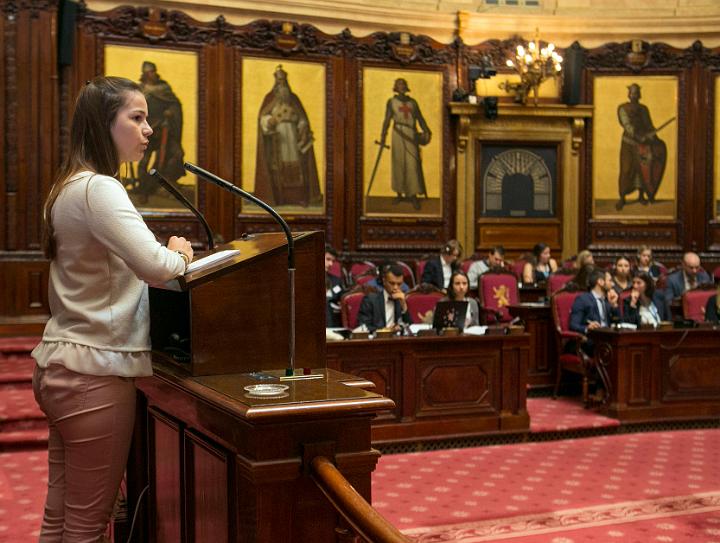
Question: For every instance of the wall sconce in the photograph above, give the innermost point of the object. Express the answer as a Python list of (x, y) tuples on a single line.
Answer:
[(534, 64)]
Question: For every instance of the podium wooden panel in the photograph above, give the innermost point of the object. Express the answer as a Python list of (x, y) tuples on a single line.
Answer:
[(661, 374), (234, 316)]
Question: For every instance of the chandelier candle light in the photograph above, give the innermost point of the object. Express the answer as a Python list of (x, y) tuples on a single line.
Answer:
[(534, 65)]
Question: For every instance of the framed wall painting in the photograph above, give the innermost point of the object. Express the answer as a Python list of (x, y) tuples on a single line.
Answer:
[(169, 81), (284, 131), (402, 141), (716, 161), (634, 150)]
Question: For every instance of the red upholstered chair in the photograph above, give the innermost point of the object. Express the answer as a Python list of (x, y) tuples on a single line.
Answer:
[(350, 305), (362, 272), (338, 271), (497, 290), (558, 280), (716, 274), (695, 300), (574, 360), (422, 299), (419, 267), (465, 265), (360, 269), (517, 267)]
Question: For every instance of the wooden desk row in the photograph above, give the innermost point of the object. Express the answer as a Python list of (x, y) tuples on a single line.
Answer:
[(442, 387)]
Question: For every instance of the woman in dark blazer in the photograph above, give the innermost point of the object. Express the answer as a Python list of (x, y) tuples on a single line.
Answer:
[(644, 305)]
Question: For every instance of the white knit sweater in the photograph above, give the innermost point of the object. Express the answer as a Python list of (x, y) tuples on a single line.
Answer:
[(98, 295)]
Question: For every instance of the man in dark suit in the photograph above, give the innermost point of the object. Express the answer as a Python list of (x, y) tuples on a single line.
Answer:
[(592, 309), (387, 308), (333, 290), (690, 276), (438, 270)]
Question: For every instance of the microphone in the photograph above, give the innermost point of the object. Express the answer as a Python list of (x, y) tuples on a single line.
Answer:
[(184, 201), (226, 185)]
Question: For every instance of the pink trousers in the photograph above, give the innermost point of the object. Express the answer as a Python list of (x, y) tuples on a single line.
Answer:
[(91, 421)]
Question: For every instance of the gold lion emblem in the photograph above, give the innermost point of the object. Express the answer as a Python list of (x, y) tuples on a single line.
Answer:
[(501, 295)]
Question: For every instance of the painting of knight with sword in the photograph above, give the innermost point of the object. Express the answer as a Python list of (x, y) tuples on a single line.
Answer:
[(410, 132), (643, 154)]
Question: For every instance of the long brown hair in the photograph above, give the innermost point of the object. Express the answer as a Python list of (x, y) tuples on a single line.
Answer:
[(91, 144)]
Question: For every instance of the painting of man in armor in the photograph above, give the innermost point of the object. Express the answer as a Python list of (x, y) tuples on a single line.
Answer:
[(642, 152)]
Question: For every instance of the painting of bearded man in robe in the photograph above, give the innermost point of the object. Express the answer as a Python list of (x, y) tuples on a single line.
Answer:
[(286, 172)]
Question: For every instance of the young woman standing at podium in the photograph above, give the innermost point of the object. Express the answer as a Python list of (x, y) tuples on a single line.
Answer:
[(102, 255)]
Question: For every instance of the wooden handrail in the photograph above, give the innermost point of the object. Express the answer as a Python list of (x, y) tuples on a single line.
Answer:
[(363, 518)]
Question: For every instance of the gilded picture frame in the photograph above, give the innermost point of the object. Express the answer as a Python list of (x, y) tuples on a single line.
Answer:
[(635, 147), (169, 79), (716, 154), (284, 134), (402, 142)]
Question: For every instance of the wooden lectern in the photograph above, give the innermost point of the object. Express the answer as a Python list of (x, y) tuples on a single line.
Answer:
[(234, 316), (220, 464)]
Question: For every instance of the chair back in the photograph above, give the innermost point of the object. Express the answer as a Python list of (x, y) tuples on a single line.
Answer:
[(517, 267), (350, 305), (558, 280), (362, 269), (419, 267), (465, 265), (695, 300), (421, 300), (561, 304), (337, 270), (716, 274), (497, 291)]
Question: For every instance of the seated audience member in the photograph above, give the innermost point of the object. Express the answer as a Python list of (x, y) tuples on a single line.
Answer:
[(592, 309), (583, 258), (540, 267), (387, 308), (645, 263), (458, 292), (622, 278), (645, 305), (690, 276), (438, 270), (333, 290), (377, 281), (712, 309), (495, 259)]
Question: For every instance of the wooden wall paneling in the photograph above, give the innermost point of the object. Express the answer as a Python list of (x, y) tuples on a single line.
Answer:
[(4, 217), (30, 124), (708, 103), (670, 236), (404, 232), (290, 42)]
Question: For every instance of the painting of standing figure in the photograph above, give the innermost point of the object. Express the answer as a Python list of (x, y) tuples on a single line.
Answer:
[(169, 81), (635, 141), (402, 142), (283, 134)]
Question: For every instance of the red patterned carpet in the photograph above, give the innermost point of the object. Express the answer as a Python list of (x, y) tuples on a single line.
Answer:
[(547, 415), (23, 484), (661, 486)]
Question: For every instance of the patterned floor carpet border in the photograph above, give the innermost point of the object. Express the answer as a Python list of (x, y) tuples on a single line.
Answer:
[(569, 519)]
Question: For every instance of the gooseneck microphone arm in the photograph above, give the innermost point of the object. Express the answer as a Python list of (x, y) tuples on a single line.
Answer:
[(226, 185), (184, 201)]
